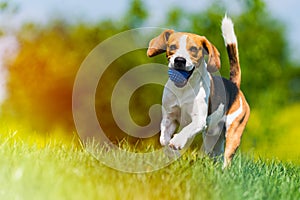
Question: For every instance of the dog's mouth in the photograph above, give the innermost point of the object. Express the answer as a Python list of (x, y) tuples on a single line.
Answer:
[(179, 77)]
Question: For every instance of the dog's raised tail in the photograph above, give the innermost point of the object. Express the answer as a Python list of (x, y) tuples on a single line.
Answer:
[(232, 50)]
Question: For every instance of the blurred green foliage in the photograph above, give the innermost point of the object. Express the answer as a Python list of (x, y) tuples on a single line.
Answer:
[(41, 78), (8, 7), (136, 15)]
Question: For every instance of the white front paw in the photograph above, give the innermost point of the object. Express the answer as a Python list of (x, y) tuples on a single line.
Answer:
[(178, 142), (164, 140)]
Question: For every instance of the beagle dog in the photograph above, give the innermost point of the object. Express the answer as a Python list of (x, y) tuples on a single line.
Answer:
[(194, 99)]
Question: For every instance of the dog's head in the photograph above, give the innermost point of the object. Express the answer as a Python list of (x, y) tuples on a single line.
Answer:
[(185, 51)]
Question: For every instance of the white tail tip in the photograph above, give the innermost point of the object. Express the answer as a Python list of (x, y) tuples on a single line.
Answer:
[(228, 31)]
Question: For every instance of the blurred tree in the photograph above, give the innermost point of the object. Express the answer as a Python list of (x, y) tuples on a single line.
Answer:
[(7, 10), (136, 15), (41, 78), (266, 63), (8, 6)]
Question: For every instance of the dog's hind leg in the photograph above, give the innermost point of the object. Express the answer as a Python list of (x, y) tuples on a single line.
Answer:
[(234, 133), (213, 140)]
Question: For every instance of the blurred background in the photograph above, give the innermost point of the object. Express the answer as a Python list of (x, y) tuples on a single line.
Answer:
[(43, 43)]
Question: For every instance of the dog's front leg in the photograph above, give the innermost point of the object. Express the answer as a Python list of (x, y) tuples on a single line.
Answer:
[(180, 139), (197, 112), (167, 127)]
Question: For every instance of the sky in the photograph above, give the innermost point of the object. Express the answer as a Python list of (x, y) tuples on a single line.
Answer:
[(94, 10)]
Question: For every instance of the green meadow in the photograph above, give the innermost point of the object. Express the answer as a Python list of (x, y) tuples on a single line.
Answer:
[(58, 170), (42, 157)]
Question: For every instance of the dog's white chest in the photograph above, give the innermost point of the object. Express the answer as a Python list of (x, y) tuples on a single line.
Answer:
[(186, 104)]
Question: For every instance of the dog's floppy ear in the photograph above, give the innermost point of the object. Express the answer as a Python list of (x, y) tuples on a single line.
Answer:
[(214, 62), (158, 45)]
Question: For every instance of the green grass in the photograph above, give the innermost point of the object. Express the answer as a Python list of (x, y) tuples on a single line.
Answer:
[(60, 171)]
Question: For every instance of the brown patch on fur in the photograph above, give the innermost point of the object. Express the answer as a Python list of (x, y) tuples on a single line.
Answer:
[(214, 62), (236, 104), (158, 45)]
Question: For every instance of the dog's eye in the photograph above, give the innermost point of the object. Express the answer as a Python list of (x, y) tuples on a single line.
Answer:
[(194, 49), (172, 47)]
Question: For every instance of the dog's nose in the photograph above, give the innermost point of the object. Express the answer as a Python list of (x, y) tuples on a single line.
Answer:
[(179, 62)]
